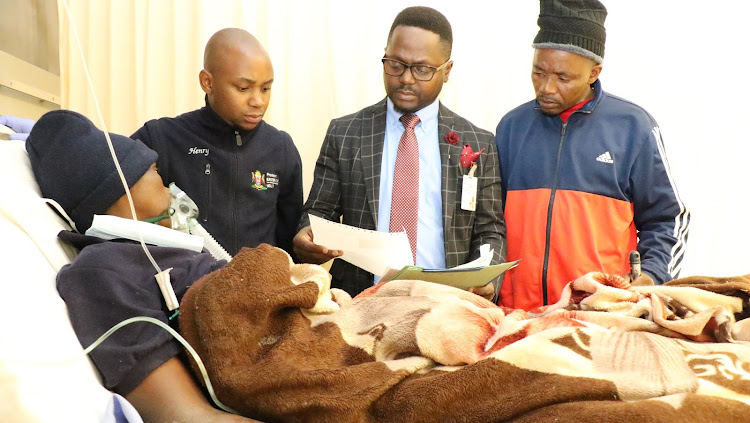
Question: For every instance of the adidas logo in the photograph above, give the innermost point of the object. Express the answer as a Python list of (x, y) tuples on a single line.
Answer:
[(605, 158)]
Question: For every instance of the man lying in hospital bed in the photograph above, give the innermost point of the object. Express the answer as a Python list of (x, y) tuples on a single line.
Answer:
[(111, 281), (280, 348)]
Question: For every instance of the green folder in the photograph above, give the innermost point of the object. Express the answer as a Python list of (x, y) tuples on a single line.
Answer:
[(460, 278)]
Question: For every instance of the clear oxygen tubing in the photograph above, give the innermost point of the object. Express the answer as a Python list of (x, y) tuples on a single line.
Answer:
[(115, 328), (177, 336), (185, 218), (106, 132), (211, 244)]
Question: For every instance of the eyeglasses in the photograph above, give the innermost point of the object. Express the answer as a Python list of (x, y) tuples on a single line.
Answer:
[(394, 67)]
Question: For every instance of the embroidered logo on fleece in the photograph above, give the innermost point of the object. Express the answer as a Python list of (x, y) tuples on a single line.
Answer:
[(605, 158), (264, 181), (196, 150)]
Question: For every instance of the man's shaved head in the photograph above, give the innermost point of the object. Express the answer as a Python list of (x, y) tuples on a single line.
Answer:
[(237, 76), (230, 40)]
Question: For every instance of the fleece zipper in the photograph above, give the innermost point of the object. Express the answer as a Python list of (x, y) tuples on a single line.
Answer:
[(204, 215), (233, 190)]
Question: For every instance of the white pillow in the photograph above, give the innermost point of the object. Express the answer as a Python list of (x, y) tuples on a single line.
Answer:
[(38, 380)]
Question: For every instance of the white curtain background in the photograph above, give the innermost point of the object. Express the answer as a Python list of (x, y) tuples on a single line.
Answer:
[(683, 61)]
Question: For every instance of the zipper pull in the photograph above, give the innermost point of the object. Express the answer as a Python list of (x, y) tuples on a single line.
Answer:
[(239, 139), (208, 169)]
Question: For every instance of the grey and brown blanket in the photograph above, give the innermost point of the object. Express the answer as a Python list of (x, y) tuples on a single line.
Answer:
[(280, 345)]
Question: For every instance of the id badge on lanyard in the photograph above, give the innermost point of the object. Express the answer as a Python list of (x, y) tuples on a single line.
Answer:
[(469, 190)]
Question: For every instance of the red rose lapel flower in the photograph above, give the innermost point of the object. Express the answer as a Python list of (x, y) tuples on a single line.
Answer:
[(452, 138)]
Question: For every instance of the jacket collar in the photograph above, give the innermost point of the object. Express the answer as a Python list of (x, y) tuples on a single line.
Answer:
[(588, 107), (598, 95), (212, 120)]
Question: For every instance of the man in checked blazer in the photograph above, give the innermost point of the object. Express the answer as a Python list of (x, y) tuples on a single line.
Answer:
[(353, 176)]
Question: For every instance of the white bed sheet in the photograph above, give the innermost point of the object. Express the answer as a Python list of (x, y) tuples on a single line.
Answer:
[(43, 375)]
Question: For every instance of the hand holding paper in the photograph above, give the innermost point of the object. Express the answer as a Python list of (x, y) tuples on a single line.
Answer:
[(307, 251), (370, 250)]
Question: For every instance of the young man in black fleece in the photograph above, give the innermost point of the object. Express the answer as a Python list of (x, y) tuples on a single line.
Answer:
[(244, 174), (110, 281)]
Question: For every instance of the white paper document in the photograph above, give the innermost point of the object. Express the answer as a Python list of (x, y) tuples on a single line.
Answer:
[(484, 259), (370, 250)]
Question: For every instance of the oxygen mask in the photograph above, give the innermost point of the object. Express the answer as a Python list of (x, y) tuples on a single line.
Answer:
[(183, 214)]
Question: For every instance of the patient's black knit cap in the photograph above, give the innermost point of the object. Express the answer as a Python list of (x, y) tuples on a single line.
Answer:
[(73, 166), (575, 26)]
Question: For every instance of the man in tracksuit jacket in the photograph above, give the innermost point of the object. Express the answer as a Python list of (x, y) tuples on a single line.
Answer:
[(584, 172), (244, 174)]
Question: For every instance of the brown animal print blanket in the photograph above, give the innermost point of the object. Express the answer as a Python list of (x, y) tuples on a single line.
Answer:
[(279, 345)]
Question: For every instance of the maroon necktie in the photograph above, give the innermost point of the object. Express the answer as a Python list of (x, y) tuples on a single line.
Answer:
[(405, 199)]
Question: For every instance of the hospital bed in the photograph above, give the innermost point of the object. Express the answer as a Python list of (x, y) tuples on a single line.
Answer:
[(44, 377)]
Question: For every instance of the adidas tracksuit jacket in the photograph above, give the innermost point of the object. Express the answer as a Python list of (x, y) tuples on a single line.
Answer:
[(247, 184), (580, 196)]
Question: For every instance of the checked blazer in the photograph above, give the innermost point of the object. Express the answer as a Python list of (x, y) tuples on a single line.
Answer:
[(346, 185)]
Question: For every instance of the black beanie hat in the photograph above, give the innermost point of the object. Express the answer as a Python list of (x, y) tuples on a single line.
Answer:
[(73, 166), (575, 26)]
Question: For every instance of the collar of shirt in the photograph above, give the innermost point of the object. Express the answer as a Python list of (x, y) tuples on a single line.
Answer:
[(428, 117)]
